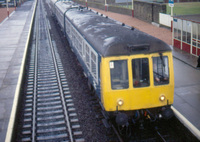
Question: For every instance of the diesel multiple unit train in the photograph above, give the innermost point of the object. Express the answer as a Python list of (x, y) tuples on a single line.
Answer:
[(130, 71)]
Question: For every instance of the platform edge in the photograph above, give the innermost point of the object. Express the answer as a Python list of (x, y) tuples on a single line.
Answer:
[(11, 123), (187, 123)]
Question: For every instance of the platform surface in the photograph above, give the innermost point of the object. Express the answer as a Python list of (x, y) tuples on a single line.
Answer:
[(14, 33)]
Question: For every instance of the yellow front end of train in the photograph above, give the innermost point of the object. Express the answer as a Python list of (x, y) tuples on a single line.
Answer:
[(136, 82)]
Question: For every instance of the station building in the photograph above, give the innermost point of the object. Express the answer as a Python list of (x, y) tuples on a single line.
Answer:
[(186, 33)]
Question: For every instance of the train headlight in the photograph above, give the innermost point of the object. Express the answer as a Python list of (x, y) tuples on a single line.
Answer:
[(162, 98), (120, 102)]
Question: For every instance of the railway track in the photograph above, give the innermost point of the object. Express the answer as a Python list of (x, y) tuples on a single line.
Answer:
[(162, 131), (49, 113)]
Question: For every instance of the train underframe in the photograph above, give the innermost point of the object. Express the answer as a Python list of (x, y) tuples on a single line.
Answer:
[(124, 121)]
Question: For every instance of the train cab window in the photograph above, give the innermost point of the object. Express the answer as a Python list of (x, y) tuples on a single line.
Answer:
[(161, 70), (140, 71), (119, 74)]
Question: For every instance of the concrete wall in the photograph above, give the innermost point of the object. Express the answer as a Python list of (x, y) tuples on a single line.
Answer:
[(147, 11), (120, 10), (115, 9), (158, 8), (91, 4), (143, 10), (96, 5), (102, 1)]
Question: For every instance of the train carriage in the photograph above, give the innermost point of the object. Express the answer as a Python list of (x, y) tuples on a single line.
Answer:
[(52, 5), (128, 69)]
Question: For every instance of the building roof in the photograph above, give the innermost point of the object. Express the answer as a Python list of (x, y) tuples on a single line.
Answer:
[(193, 18)]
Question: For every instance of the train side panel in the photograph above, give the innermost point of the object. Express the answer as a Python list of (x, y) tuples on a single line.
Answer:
[(59, 15), (52, 5), (87, 56)]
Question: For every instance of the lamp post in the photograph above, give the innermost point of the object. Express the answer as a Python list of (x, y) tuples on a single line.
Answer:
[(171, 4), (105, 5), (132, 9), (7, 7), (15, 4), (172, 11)]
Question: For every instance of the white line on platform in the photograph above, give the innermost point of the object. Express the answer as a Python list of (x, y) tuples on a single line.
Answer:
[(7, 18), (187, 123)]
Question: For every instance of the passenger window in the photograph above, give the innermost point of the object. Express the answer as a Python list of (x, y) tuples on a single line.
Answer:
[(140, 68), (161, 70), (119, 74)]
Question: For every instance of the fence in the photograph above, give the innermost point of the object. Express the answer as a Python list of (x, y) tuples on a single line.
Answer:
[(165, 19), (109, 6)]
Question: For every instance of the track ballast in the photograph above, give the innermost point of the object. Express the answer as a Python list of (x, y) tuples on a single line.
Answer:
[(49, 113)]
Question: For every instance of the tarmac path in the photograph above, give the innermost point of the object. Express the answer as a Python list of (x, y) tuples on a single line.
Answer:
[(4, 14)]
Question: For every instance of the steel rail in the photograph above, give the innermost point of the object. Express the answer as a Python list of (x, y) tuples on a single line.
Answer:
[(35, 78), (116, 132), (160, 136), (48, 112), (59, 81)]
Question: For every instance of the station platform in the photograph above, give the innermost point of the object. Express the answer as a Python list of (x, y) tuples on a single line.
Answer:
[(14, 34), (187, 89)]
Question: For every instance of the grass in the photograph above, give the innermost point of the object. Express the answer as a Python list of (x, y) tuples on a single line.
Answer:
[(184, 8), (187, 8)]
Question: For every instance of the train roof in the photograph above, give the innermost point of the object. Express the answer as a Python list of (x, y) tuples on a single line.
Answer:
[(64, 5), (112, 38)]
